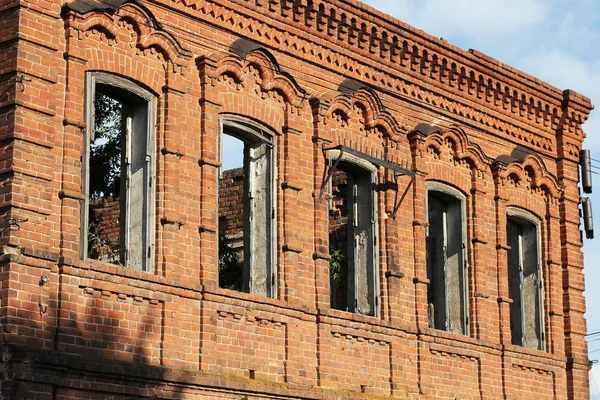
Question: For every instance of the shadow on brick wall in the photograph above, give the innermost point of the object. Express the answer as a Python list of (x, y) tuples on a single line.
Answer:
[(105, 347)]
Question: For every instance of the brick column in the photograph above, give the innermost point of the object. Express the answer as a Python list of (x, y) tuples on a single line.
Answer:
[(321, 137), (419, 193), (504, 301), (292, 278), (209, 164), (483, 321), (170, 258), (395, 235), (569, 135), (555, 342), (74, 121)]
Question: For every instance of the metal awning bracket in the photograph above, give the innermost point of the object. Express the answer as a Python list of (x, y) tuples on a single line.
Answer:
[(397, 202), (330, 172), (397, 169)]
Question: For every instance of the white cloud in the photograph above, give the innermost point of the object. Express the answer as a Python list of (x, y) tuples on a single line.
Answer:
[(475, 20), (554, 40), (568, 71)]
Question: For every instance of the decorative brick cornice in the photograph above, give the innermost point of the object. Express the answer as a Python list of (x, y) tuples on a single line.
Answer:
[(360, 42)]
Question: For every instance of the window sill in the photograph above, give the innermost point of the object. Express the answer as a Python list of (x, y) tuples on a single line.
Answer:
[(130, 277), (256, 302), (440, 336), (349, 319), (470, 346), (526, 351)]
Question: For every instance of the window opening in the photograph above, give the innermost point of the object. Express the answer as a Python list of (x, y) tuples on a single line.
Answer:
[(118, 176), (246, 210), (525, 283), (352, 240), (446, 263)]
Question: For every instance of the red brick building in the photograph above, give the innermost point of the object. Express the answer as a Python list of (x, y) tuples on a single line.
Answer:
[(409, 210)]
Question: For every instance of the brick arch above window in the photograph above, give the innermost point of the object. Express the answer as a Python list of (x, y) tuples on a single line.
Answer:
[(361, 106), (462, 151), (126, 23), (446, 154), (530, 174), (256, 70)]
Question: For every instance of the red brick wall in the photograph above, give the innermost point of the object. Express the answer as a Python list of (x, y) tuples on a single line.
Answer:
[(311, 78), (105, 214), (231, 207)]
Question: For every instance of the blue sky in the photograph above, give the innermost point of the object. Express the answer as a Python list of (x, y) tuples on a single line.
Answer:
[(554, 40)]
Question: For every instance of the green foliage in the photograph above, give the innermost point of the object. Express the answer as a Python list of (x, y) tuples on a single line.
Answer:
[(105, 149), (230, 267), (104, 174), (101, 247), (338, 267)]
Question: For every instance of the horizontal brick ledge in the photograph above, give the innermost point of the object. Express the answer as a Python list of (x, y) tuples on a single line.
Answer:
[(479, 240), (291, 185), (73, 58), (77, 267), (317, 255), (171, 151), (421, 280), (207, 229), (51, 366), (287, 247), (170, 221), (40, 254), (70, 194), (69, 121), (210, 162), (394, 274)]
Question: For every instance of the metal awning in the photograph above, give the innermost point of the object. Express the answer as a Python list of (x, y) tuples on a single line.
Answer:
[(374, 158)]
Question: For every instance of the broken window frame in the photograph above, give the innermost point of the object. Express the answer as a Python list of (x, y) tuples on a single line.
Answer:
[(254, 136), (367, 287), (139, 122), (448, 320), (520, 335)]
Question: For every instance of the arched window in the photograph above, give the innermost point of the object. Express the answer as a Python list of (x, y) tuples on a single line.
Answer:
[(118, 172), (447, 301), (525, 285), (352, 235), (247, 208)]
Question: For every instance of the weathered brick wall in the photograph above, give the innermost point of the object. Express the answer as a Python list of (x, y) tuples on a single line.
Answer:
[(315, 74), (231, 208)]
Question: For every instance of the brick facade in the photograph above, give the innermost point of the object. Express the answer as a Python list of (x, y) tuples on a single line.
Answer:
[(316, 74)]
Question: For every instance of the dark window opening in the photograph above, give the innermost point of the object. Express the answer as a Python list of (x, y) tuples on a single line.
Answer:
[(524, 283), (246, 212), (118, 179), (352, 241), (446, 264)]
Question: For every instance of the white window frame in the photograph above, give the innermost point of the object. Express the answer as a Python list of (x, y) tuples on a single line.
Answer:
[(517, 215), (368, 168), (448, 191), (249, 131), (125, 89)]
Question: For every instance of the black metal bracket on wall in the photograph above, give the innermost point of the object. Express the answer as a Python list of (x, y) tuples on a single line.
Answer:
[(377, 159)]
